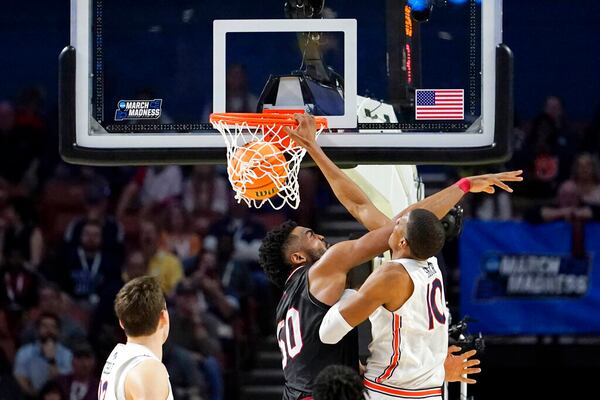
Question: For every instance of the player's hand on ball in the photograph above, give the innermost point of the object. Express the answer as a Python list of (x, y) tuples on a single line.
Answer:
[(487, 183), (305, 134), (458, 367)]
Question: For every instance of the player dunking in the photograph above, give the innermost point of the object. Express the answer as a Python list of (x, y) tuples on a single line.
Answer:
[(404, 300), (313, 274), (134, 371)]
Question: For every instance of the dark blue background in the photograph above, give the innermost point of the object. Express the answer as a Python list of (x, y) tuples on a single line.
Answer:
[(555, 44)]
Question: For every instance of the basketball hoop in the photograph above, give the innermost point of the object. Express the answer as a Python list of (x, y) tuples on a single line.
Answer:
[(262, 161)]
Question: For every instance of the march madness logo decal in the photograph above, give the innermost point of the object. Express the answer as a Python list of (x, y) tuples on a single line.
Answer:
[(533, 275), (138, 109)]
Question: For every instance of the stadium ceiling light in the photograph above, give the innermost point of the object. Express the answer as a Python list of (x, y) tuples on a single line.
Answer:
[(420, 9)]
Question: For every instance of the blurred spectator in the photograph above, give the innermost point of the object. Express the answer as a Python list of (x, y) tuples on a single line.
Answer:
[(586, 177), (591, 137), (191, 327), (567, 206), (82, 383), (104, 321), (177, 236), (90, 265), (237, 93), (136, 265), (96, 204), (30, 110), (52, 391), (309, 186), (7, 341), (32, 126), (553, 108), (238, 97), (51, 300), (206, 191), (185, 376), (18, 291), (39, 362), (213, 298), (152, 186), (547, 153), (19, 145), (244, 230), (9, 389), (21, 239), (194, 327), (161, 263)]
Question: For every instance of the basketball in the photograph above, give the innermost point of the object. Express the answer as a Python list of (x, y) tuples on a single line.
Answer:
[(260, 168)]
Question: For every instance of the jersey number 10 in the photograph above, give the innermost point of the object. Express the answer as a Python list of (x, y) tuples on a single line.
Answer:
[(432, 306), (289, 335)]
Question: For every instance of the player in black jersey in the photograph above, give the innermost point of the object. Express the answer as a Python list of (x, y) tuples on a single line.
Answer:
[(313, 273)]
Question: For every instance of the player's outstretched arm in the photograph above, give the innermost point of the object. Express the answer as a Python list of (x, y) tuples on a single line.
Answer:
[(149, 380), (441, 202), (458, 367), (357, 202), (355, 308), (327, 276), (347, 192)]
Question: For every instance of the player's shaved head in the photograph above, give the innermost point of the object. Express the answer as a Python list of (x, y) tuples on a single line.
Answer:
[(424, 233)]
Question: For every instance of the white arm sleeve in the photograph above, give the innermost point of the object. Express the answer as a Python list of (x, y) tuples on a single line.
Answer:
[(334, 327)]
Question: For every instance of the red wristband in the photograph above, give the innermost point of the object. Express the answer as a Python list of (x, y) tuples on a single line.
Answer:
[(464, 184)]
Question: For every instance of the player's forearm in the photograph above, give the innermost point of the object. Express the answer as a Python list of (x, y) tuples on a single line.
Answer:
[(439, 203), (333, 326), (347, 192), (371, 245)]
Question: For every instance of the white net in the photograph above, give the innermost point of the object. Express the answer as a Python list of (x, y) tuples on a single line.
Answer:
[(262, 163)]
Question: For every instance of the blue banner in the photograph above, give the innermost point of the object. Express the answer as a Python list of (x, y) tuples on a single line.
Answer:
[(518, 278)]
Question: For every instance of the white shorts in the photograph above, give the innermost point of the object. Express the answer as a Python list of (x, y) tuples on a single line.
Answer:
[(379, 391)]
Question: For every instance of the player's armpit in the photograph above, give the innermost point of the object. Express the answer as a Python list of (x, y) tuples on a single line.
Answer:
[(149, 380)]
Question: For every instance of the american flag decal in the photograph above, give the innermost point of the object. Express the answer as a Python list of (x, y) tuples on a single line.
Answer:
[(440, 104)]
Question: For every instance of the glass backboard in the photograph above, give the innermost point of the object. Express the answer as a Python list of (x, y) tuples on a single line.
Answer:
[(397, 84)]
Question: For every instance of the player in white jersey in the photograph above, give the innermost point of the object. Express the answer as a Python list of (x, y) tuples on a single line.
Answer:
[(134, 370), (404, 300)]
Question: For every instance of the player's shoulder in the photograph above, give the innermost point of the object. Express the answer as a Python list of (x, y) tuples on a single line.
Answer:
[(392, 275), (148, 379), (394, 272), (148, 372)]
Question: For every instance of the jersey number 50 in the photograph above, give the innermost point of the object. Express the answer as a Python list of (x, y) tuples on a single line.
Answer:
[(289, 335)]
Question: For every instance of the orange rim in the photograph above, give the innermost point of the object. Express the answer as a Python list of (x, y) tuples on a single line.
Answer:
[(258, 119)]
